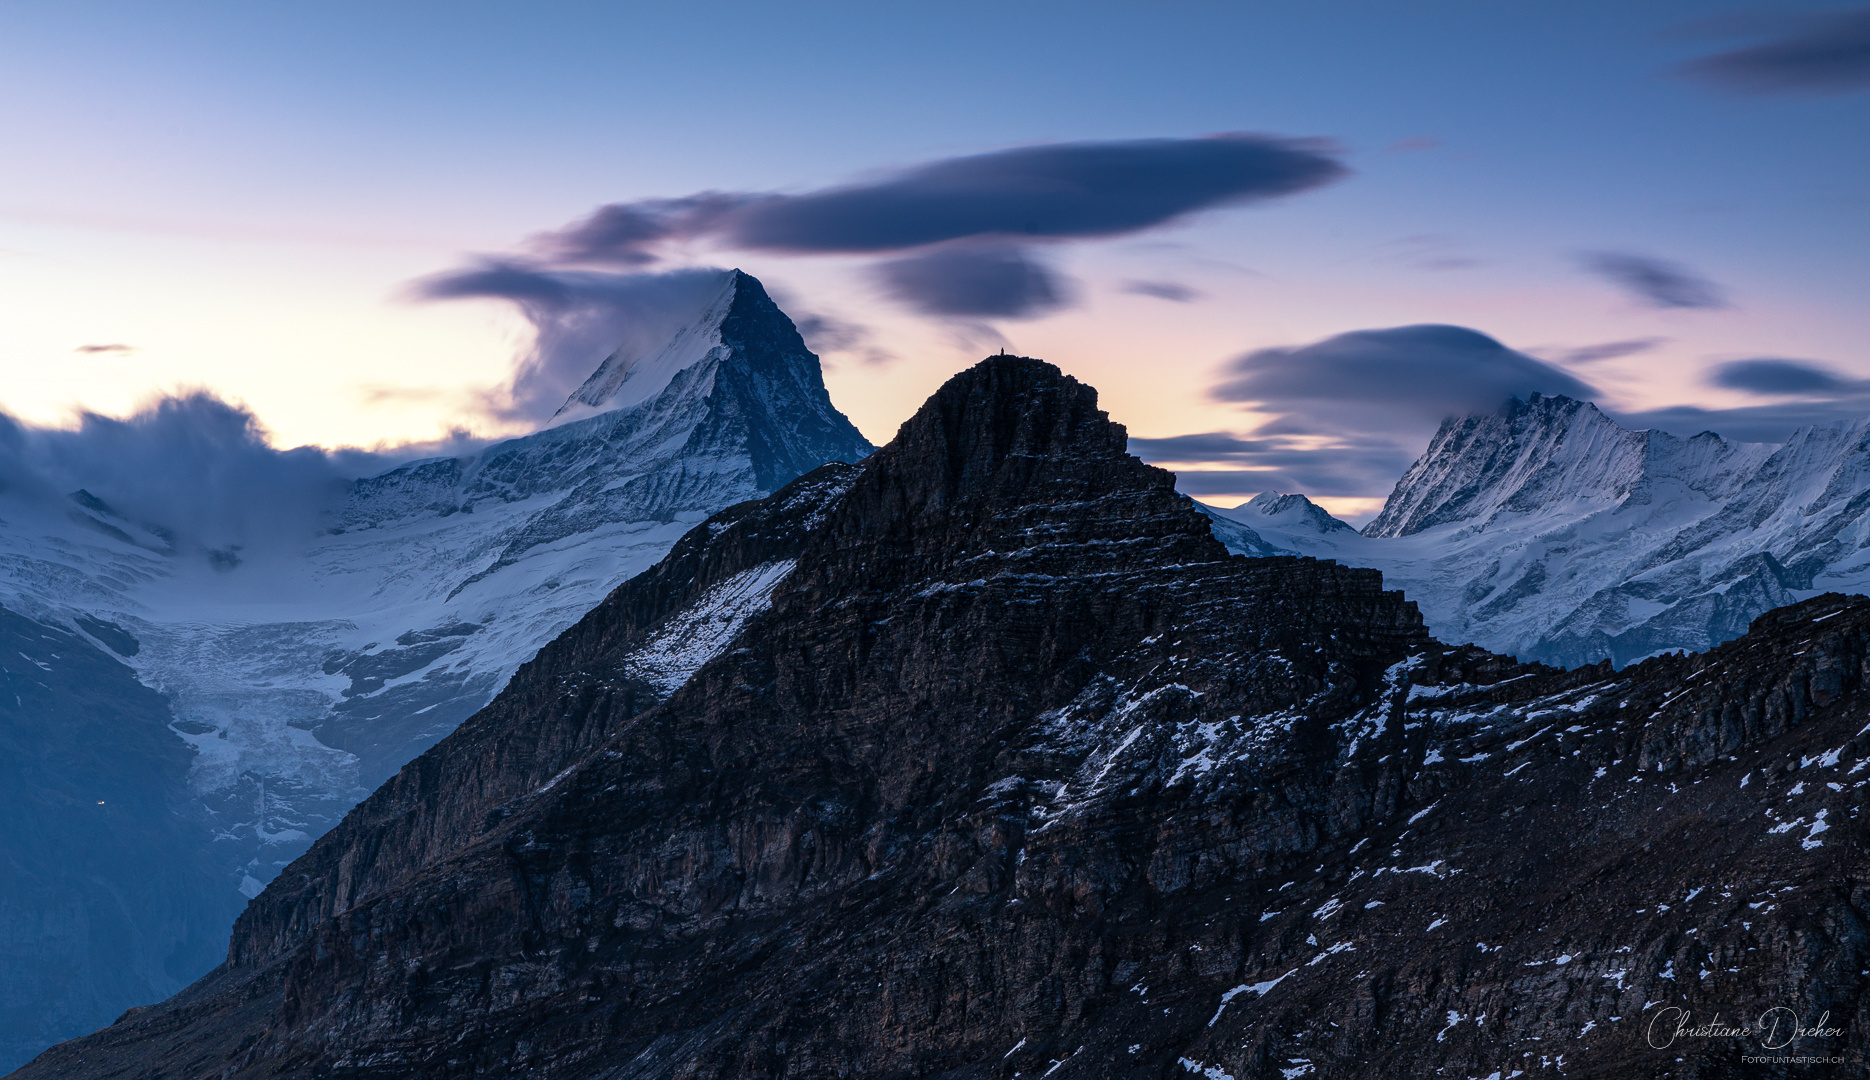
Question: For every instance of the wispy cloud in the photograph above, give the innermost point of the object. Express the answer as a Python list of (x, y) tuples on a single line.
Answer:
[(1353, 467), (1655, 282), (105, 349), (1430, 251), (1607, 350), (1163, 290), (385, 393), (1819, 54), (824, 333), (1807, 393)]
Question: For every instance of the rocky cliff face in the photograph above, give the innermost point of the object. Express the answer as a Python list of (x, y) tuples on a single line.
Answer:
[(983, 758)]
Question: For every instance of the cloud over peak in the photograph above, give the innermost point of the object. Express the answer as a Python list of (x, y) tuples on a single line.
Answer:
[(956, 238), (1060, 191), (1411, 372), (960, 231), (1351, 411), (578, 317)]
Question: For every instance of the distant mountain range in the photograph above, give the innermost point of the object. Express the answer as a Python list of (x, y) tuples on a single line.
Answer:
[(177, 724), (981, 758), (1546, 531), (226, 710)]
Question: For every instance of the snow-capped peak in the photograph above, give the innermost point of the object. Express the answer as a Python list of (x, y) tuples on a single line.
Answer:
[(629, 376), (1293, 511), (1546, 530), (1553, 458), (1519, 457)]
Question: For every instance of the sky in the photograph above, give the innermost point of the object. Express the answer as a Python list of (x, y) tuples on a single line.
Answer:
[(1284, 240)]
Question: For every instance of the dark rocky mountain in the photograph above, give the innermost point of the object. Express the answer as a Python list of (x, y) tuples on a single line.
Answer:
[(983, 758)]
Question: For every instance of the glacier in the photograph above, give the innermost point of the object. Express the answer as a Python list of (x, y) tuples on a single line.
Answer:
[(1547, 531)]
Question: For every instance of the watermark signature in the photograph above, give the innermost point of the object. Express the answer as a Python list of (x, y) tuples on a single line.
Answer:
[(1776, 1028)]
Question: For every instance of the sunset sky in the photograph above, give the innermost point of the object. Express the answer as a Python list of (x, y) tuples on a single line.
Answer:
[(1662, 206)]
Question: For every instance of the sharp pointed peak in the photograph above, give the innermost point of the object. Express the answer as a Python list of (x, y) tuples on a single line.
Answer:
[(634, 373)]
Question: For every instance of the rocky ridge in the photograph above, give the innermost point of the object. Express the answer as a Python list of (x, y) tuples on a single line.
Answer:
[(1008, 768)]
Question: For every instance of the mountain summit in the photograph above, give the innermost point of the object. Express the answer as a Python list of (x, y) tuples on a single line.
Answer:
[(1556, 457), (765, 390)]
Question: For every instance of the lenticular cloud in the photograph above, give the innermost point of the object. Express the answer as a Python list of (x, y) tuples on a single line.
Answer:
[(960, 233)]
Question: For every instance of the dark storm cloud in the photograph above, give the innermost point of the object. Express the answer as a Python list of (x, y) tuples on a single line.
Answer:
[(1063, 191), (1655, 282), (579, 317), (1768, 375), (1826, 54), (978, 280), (1162, 290)]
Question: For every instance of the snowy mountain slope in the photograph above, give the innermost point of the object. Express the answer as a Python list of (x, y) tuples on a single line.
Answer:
[(304, 673), (1547, 531)]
